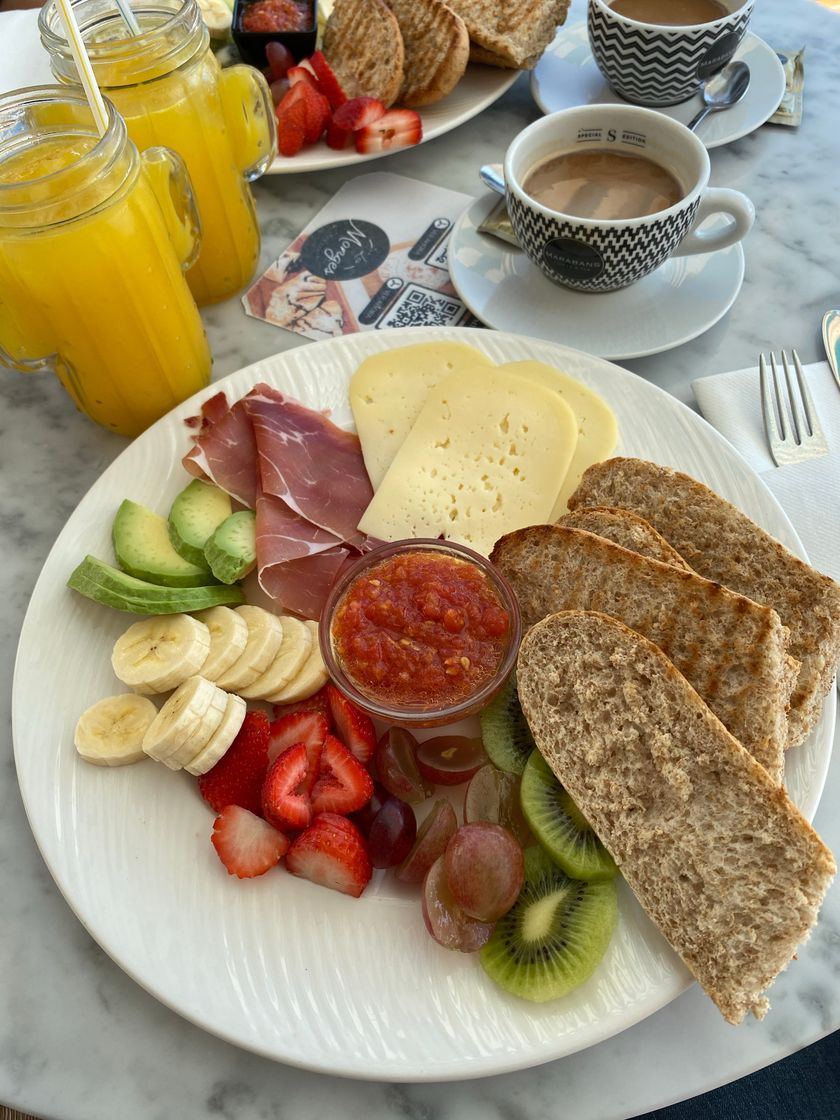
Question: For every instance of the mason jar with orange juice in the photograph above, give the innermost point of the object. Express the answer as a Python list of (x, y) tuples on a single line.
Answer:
[(94, 238), (171, 91)]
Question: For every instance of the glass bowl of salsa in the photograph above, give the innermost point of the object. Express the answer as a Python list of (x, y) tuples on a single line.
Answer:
[(421, 632)]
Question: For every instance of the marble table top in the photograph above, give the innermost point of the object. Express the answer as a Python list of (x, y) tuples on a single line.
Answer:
[(79, 1040)]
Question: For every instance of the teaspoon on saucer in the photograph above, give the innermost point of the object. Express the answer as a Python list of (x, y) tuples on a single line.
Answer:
[(723, 91)]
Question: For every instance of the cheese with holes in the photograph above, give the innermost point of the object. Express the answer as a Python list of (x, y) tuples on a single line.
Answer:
[(387, 392), (487, 454), (597, 425)]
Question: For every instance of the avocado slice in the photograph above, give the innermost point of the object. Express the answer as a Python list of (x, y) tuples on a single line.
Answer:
[(196, 513), (108, 585), (143, 549), (232, 550)]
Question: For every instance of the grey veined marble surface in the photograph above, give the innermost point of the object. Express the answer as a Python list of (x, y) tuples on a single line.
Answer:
[(79, 1040)]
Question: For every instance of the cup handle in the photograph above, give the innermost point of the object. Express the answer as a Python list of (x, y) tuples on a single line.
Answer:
[(718, 200), (249, 114), (170, 181)]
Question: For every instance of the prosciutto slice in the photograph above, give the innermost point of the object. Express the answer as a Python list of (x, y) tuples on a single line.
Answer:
[(314, 466), (302, 586), (283, 535), (225, 451)]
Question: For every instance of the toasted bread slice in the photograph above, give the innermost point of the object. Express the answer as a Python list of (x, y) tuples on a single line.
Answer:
[(437, 50), (724, 545), (517, 31), (721, 860), (622, 526), (731, 649), (363, 45)]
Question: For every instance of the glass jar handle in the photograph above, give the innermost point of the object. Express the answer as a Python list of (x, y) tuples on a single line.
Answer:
[(249, 114), (170, 181)]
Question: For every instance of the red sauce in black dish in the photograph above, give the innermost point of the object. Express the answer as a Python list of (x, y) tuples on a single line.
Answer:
[(276, 15)]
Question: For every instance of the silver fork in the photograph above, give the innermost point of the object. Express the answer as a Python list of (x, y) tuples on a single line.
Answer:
[(790, 420)]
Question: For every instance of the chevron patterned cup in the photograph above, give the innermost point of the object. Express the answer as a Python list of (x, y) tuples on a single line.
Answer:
[(603, 254), (655, 64)]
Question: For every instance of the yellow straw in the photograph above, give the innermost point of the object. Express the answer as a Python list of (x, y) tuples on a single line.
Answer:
[(83, 66)]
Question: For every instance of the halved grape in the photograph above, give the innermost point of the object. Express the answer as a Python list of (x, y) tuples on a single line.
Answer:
[(484, 869), (391, 834), (449, 760), (395, 761), (493, 795), (432, 837), (280, 59), (445, 920)]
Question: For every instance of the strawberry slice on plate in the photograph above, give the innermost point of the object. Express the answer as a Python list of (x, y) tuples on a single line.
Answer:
[(237, 777), (354, 727), (343, 784), (291, 125), (331, 853), (328, 82), (398, 128), (309, 728), (337, 138), (357, 113), (245, 843), (285, 798), (297, 74), (317, 702)]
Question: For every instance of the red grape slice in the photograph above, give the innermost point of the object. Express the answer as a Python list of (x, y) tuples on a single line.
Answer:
[(396, 766), (493, 795), (484, 869), (449, 760), (279, 59), (391, 833), (432, 837), (445, 920)]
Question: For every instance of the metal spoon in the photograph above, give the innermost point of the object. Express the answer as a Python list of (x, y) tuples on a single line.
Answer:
[(723, 91), (492, 177)]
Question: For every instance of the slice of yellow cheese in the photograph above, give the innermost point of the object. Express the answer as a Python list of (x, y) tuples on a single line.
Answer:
[(597, 425), (486, 455), (387, 392)]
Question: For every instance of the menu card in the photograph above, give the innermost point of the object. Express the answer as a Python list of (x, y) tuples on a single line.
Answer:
[(374, 257)]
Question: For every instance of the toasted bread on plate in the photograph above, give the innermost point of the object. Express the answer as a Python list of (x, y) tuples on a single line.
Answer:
[(623, 527), (363, 45), (437, 50), (514, 31)]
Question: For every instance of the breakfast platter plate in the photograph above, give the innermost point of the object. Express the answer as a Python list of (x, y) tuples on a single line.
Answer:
[(479, 88), (567, 75), (302, 975), (678, 301)]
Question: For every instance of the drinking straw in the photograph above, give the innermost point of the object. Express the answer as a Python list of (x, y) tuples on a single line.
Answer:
[(83, 66), (129, 17)]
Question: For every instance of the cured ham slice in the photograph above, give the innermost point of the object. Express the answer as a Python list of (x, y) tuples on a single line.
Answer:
[(283, 535), (225, 451), (302, 586), (315, 467)]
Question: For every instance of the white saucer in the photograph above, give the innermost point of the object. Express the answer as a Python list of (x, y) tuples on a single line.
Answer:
[(681, 299), (567, 75)]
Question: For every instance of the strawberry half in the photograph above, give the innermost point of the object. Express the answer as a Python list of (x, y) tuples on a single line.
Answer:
[(329, 83), (245, 844), (237, 777), (291, 126), (285, 798), (343, 784), (318, 702), (309, 728), (332, 853), (357, 113), (337, 138), (355, 728), (399, 128), (297, 74)]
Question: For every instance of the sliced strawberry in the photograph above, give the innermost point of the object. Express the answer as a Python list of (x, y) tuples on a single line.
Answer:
[(358, 112), (237, 777), (309, 728), (302, 73), (399, 128), (332, 853), (291, 125), (329, 83), (246, 845), (337, 138), (355, 728), (318, 702), (343, 784), (285, 800), (317, 112)]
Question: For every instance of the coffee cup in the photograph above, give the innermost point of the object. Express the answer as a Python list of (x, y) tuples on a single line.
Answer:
[(602, 253), (660, 63)]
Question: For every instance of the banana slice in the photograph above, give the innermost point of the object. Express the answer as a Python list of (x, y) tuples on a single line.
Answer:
[(110, 732), (226, 732), (228, 639), (189, 747), (180, 718), (218, 17), (312, 676), (160, 653), (296, 647), (265, 636)]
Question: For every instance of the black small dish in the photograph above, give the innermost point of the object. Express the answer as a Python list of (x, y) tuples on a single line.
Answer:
[(252, 44)]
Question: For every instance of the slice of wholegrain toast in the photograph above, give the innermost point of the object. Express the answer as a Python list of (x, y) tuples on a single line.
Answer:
[(437, 50), (364, 46), (622, 526), (730, 649), (516, 31), (725, 545), (720, 859)]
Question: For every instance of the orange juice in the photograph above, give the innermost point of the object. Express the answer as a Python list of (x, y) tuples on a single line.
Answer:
[(170, 90), (90, 282)]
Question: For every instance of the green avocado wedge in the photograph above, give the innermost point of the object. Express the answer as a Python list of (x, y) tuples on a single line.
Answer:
[(196, 513), (143, 549), (108, 585), (231, 551)]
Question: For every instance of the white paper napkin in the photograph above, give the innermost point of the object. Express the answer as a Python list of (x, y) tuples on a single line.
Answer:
[(23, 60), (808, 492)]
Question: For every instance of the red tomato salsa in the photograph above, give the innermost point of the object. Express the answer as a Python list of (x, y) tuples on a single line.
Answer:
[(276, 15), (420, 628)]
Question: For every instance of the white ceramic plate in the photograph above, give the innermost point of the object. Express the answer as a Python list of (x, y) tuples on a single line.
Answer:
[(567, 75), (678, 301), (479, 87), (276, 964)]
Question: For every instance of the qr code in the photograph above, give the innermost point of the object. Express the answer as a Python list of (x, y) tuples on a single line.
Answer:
[(421, 307), (438, 257)]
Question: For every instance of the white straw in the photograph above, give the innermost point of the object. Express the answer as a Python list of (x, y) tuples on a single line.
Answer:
[(129, 16), (80, 57)]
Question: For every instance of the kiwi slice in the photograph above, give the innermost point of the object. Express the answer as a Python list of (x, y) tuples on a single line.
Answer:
[(504, 732), (559, 825), (552, 939)]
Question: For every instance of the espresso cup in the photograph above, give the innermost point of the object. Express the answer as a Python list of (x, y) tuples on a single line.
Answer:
[(603, 254), (656, 64)]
